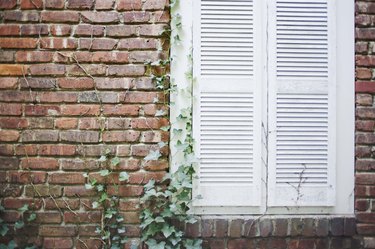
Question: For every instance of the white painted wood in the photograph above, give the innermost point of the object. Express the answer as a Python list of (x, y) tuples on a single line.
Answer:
[(302, 105), (227, 114)]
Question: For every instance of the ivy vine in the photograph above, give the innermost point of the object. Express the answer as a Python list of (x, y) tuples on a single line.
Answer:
[(166, 204)]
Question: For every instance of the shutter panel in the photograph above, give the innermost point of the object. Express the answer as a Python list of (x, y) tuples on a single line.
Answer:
[(226, 123), (302, 103)]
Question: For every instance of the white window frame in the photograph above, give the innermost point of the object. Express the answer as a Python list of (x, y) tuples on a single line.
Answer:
[(345, 115)]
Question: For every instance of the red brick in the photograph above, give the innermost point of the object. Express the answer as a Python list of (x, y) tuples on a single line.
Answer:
[(41, 110), (66, 178), (100, 17), (126, 70), (110, 57), (8, 4), (152, 30), (138, 43), (80, 4), (363, 73), (80, 136), (76, 83), (26, 150), (60, 17), (365, 217), (87, 69), (97, 44), (40, 135), (18, 43), (365, 178), (136, 17), (27, 177), (57, 150), (13, 203), (364, 99), (80, 110), (66, 123), (54, 4), (34, 29), (155, 5), (31, 4), (104, 4), (126, 191), (15, 123), (12, 70), (58, 97), (9, 135), (21, 16), (53, 204), (10, 109), (366, 229), (121, 110), (89, 30), (78, 191), (78, 164), (121, 31), (121, 136), (129, 5), (9, 30), (58, 231), (47, 69), (58, 43), (38, 83), (35, 56), (8, 83), (114, 83), (155, 165), (39, 163), (8, 163), (61, 30), (86, 217)]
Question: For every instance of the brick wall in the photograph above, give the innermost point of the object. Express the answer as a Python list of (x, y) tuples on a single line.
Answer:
[(365, 121), (74, 84)]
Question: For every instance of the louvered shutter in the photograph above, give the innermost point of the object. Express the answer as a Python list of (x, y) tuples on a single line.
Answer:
[(227, 124), (302, 103)]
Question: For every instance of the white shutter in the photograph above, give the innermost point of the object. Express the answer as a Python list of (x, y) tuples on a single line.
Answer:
[(227, 114), (302, 109)]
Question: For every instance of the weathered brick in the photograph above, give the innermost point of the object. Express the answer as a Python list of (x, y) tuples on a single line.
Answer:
[(100, 17), (60, 29), (9, 135), (58, 43), (12, 70), (60, 17), (47, 69), (57, 150), (58, 231), (54, 4), (35, 56), (57, 243), (89, 30), (66, 178), (9, 30), (31, 4), (80, 136), (121, 136), (76, 83), (129, 5), (66, 123), (80, 4), (10, 109), (8, 4), (21, 16), (25, 177), (104, 4), (80, 110), (39, 163), (43, 191)]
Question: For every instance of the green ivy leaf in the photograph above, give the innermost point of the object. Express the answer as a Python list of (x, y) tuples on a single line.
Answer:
[(159, 113), (88, 186), (153, 155), (100, 188), (165, 128), (24, 208), (102, 158), (95, 204), (31, 217), (19, 224), (167, 230), (155, 245), (104, 172), (123, 176), (3, 230), (115, 161)]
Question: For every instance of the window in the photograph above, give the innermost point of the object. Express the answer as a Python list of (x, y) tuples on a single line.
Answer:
[(274, 104)]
